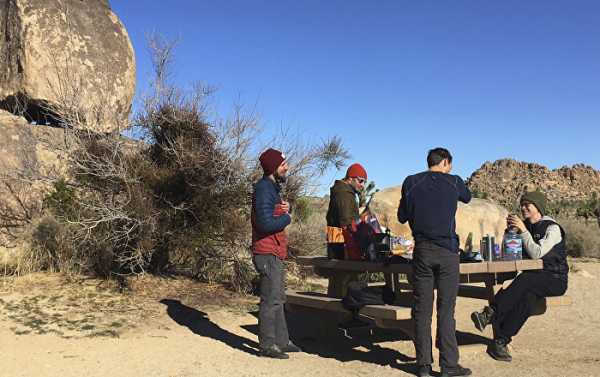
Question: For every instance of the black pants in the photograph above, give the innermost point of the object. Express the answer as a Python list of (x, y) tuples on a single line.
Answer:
[(514, 305), (435, 266), (335, 251), (271, 317)]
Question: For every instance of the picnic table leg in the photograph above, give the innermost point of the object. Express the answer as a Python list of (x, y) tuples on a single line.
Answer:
[(389, 281), (492, 288), (338, 284), (338, 281)]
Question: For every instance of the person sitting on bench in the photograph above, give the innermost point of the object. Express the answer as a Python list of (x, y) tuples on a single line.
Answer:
[(543, 238)]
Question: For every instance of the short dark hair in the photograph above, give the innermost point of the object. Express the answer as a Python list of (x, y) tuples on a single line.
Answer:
[(437, 155)]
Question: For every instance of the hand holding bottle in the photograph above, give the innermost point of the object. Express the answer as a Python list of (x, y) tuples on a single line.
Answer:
[(515, 221)]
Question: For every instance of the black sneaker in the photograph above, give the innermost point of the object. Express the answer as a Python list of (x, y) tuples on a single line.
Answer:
[(424, 370), (273, 352), (290, 347), (499, 350), (483, 318), (456, 371)]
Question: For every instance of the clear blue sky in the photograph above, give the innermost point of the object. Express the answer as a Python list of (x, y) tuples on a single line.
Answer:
[(486, 79)]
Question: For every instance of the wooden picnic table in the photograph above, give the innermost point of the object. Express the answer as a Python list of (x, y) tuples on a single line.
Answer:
[(341, 272), (492, 274)]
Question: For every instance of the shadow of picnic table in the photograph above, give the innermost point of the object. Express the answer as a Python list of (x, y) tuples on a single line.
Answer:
[(317, 334), (199, 323)]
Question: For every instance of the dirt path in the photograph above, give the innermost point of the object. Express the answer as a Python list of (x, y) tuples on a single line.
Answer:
[(45, 330)]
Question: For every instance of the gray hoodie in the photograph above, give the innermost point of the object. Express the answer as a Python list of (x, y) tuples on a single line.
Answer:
[(552, 237)]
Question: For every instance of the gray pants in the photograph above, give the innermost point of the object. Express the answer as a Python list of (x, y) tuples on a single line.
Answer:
[(271, 317), (434, 266)]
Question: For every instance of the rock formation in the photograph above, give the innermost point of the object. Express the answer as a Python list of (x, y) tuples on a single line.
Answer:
[(25, 151), (65, 51), (504, 181), (25, 147), (480, 216)]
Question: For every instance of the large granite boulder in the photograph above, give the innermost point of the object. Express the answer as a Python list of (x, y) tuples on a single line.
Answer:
[(66, 51), (30, 158), (26, 148), (480, 216)]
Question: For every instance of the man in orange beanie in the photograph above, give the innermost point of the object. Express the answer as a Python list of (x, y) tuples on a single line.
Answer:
[(343, 216)]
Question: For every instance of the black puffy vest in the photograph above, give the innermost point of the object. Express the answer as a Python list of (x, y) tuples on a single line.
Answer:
[(556, 259)]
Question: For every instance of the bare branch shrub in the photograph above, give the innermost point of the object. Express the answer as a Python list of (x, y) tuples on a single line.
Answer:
[(18, 209), (175, 201)]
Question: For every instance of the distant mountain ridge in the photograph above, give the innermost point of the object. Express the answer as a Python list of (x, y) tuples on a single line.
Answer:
[(503, 181)]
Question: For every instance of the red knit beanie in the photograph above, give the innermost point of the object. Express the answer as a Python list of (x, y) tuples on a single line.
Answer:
[(270, 160), (356, 170)]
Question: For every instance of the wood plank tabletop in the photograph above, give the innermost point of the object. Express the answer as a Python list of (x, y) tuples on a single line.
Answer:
[(465, 268)]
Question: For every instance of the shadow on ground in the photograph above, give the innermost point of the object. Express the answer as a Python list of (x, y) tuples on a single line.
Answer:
[(199, 323), (317, 333)]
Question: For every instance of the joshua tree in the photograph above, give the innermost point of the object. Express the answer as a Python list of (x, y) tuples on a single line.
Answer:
[(366, 195)]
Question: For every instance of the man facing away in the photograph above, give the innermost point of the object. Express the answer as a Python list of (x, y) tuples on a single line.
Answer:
[(270, 216), (429, 203), (342, 214)]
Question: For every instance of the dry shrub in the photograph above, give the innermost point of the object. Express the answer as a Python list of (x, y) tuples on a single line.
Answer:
[(307, 232), (19, 207), (175, 201), (583, 238)]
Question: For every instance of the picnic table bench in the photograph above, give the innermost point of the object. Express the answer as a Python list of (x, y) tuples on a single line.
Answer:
[(341, 272)]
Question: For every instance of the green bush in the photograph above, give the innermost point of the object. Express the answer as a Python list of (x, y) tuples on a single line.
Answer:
[(62, 200), (583, 239), (302, 209), (479, 194), (307, 237)]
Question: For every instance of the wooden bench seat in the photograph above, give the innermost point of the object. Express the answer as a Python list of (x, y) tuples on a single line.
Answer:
[(559, 301), (543, 303), (323, 302)]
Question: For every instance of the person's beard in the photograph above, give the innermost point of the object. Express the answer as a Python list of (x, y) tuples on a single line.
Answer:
[(279, 178)]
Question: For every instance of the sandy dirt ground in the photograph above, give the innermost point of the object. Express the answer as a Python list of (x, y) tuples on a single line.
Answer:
[(49, 327)]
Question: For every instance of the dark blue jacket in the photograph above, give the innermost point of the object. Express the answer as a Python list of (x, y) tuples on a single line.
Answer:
[(268, 221), (429, 203)]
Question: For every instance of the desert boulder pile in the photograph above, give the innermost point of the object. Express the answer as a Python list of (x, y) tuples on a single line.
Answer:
[(504, 181)]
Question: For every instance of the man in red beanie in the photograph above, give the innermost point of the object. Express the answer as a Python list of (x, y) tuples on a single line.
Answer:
[(343, 216), (270, 216)]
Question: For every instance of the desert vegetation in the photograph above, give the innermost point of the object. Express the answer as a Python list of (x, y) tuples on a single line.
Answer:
[(174, 200)]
